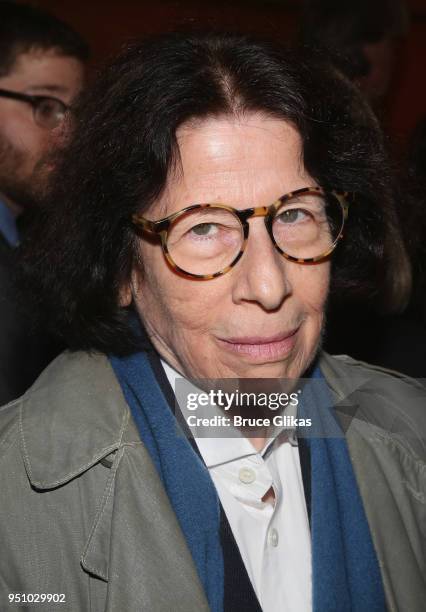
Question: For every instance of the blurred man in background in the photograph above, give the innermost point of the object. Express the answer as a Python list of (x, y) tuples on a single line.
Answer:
[(41, 72), (361, 37)]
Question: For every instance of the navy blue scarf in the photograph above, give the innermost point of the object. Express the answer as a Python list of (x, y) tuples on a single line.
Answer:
[(346, 576), (345, 572)]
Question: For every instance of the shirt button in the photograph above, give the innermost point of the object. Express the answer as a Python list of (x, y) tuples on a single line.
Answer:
[(247, 475), (273, 537)]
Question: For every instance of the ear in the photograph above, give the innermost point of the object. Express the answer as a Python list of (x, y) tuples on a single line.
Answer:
[(130, 291), (125, 296)]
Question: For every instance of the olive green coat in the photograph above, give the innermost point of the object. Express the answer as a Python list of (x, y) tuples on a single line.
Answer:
[(83, 512)]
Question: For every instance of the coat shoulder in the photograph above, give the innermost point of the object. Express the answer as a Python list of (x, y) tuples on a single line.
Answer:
[(391, 402), (343, 365)]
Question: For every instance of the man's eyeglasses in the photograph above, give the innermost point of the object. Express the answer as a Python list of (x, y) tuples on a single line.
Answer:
[(204, 241), (48, 112)]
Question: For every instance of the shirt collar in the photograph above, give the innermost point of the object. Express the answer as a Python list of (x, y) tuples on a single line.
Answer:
[(217, 451), (8, 225)]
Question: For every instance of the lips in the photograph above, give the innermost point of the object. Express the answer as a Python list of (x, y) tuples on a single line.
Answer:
[(264, 348)]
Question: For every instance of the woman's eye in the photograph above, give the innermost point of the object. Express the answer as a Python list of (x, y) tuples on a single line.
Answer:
[(204, 229), (294, 215)]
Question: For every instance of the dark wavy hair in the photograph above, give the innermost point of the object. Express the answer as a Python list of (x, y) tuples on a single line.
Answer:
[(124, 144), (25, 28)]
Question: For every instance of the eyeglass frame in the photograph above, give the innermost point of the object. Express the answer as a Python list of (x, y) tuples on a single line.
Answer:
[(34, 101), (162, 226)]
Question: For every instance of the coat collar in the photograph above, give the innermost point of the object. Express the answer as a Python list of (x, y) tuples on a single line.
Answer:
[(75, 415), (72, 417)]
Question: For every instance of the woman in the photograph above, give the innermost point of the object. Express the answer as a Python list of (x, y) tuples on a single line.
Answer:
[(195, 233)]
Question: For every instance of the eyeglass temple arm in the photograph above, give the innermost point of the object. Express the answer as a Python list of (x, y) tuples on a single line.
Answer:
[(16, 95), (146, 224), (345, 199)]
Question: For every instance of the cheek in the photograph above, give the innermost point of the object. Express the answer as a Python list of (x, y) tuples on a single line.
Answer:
[(25, 136), (171, 305), (311, 287)]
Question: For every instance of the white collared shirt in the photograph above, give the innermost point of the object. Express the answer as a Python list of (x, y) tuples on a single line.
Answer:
[(274, 540)]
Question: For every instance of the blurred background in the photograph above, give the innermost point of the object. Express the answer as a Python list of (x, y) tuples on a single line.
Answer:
[(107, 24), (379, 44)]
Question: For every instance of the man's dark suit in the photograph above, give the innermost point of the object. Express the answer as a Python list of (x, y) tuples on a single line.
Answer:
[(23, 354)]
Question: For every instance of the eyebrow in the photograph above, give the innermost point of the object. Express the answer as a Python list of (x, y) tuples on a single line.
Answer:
[(48, 88)]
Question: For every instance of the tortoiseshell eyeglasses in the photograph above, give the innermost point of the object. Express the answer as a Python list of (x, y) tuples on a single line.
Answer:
[(204, 241)]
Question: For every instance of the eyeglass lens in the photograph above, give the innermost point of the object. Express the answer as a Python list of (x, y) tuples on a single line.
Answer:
[(207, 240), (49, 113)]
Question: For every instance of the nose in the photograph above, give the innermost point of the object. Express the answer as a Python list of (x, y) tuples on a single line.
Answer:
[(261, 275)]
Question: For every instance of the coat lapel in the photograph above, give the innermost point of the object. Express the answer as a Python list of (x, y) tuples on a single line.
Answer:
[(150, 566), (136, 544)]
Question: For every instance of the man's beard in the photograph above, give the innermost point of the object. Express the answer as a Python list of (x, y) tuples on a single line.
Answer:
[(25, 191)]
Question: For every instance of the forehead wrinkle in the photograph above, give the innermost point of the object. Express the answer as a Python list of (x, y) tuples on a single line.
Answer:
[(220, 150), (208, 170)]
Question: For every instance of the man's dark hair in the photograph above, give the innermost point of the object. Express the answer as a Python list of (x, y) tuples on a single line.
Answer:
[(124, 146), (24, 28), (342, 28)]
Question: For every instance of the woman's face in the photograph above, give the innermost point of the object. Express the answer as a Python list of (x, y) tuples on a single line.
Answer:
[(264, 317)]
